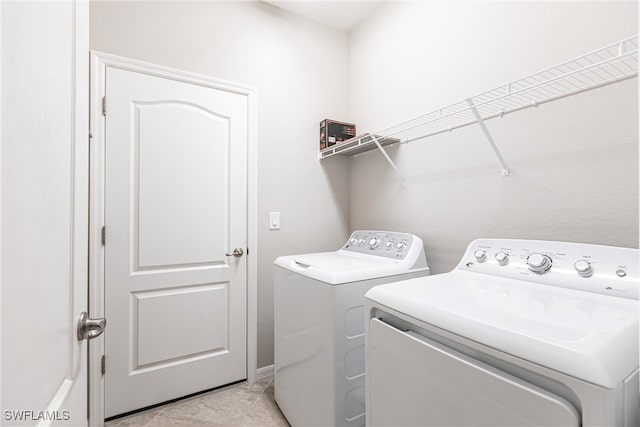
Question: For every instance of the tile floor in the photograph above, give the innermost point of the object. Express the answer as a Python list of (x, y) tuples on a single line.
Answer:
[(238, 405)]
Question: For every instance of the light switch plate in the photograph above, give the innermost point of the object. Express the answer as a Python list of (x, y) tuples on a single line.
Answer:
[(274, 220)]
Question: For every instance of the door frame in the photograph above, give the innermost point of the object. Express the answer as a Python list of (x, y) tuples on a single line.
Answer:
[(99, 63)]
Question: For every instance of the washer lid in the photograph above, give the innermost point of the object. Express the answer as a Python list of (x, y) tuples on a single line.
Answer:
[(589, 336), (342, 267)]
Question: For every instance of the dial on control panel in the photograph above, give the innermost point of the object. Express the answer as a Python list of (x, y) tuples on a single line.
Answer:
[(502, 258), (480, 255), (388, 245), (374, 242), (400, 246), (583, 268), (539, 263)]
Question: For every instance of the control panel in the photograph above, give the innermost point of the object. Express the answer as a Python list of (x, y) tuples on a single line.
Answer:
[(381, 243), (594, 268)]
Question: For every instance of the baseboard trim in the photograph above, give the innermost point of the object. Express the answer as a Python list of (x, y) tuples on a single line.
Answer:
[(264, 372)]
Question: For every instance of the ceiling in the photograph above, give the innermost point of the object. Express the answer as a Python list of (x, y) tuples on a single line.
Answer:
[(342, 15)]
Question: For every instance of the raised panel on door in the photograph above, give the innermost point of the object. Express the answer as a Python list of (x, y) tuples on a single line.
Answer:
[(175, 205), (155, 324), (193, 173)]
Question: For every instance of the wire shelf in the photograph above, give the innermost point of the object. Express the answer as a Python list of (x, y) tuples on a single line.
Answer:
[(610, 64)]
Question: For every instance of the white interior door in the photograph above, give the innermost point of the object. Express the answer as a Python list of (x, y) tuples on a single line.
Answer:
[(45, 82), (176, 203)]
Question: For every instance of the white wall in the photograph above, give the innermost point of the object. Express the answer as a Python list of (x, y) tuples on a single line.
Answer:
[(299, 69), (574, 168), (574, 162)]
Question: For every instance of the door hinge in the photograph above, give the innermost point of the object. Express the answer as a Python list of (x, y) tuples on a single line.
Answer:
[(104, 105), (103, 235), (103, 364)]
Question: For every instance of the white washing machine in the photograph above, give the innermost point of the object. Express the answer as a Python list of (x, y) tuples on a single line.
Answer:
[(320, 321), (520, 333)]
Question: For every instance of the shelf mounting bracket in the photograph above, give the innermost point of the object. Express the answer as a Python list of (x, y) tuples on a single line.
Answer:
[(476, 114), (386, 156)]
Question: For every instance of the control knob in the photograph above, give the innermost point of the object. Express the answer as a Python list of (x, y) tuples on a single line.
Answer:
[(480, 255), (388, 245), (539, 263), (374, 242), (361, 242), (502, 258), (353, 240), (400, 246), (583, 268)]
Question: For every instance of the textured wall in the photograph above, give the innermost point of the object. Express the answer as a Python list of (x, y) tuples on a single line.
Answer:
[(299, 70), (574, 162)]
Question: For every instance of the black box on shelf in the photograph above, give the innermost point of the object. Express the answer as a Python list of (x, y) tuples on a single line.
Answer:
[(333, 132)]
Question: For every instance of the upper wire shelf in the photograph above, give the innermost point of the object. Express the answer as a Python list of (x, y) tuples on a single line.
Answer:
[(610, 64)]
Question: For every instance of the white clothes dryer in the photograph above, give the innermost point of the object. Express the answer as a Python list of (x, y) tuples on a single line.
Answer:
[(320, 320), (520, 333)]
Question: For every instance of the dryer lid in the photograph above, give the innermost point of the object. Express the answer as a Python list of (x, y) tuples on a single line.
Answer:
[(586, 335)]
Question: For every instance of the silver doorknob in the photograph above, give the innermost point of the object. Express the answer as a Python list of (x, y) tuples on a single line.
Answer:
[(236, 252), (88, 328)]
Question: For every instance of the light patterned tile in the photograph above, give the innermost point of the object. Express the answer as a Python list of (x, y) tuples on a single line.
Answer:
[(140, 419), (243, 404), (189, 413), (269, 390), (219, 408), (172, 420), (265, 413)]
